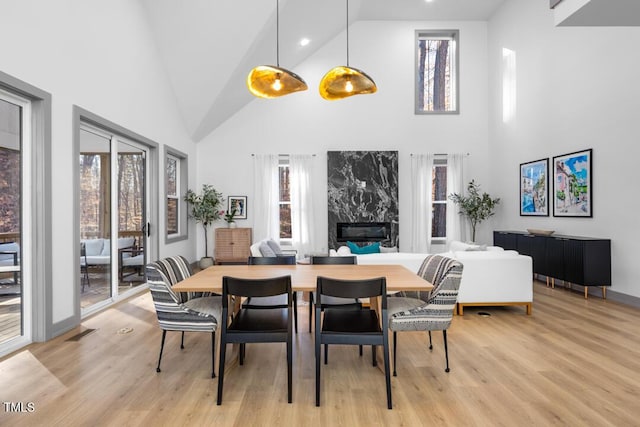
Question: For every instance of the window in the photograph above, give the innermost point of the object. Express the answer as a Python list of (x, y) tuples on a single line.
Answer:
[(439, 197), (175, 189), (284, 198), (437, 71)]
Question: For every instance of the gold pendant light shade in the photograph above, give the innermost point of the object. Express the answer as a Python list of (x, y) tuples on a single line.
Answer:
[(342, 82), (269, 81)]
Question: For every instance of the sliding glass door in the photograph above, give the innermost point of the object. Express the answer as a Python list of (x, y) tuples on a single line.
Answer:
[(15, 290), (113, 216)]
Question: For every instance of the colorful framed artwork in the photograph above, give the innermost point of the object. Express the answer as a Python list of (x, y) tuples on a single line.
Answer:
[(239, 203), (572, 184), (534, 188)]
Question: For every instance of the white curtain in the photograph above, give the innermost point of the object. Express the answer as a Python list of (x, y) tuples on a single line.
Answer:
[(455, 184), (421, 202), (302, 211), (266, 182)]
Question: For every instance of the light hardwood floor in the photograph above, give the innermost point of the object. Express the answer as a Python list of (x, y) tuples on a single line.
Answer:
[(574, 362)]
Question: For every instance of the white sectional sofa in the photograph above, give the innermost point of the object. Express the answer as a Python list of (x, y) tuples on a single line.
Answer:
[(491, 275)]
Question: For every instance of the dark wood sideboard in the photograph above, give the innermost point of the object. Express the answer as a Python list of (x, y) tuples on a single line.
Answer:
[(583, 261)]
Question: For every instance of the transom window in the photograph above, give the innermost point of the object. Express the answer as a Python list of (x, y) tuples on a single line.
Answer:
[(436, 71)]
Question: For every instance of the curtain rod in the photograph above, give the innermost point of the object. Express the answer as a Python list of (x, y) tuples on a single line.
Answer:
[(445, 154)]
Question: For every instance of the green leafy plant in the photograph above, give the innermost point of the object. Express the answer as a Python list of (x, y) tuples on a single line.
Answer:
[(475, 206), (205, 208), (229, 216)]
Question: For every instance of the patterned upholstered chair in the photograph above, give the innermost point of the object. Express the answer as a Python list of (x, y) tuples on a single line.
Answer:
[(427, 311), (176, 269), (197, 314)]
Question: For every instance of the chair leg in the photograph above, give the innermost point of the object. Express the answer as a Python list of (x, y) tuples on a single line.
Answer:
[(289, 367), (295, 310), (385, 348), (317, 346), (182, 341), (310, 309), (241, 353), (213, 354), (395, 347), (360, 350), (430, 345), (223, 356), (326, 354), (164, 334), (446, 351), (374, 359)]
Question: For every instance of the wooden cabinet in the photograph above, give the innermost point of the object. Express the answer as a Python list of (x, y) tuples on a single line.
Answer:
[(583, 261), (232, 245)]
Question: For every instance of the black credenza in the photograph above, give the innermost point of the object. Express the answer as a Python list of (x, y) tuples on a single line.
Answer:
[(583, 261)]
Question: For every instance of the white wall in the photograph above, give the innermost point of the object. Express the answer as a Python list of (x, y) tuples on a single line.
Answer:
[(305, 123), (577, 88), (98, 55)]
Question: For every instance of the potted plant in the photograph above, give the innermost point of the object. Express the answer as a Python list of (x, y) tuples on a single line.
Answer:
[(475, 206), (229, 217), (205, 209)]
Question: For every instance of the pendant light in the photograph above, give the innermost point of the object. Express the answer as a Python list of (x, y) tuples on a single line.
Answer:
[(271, 81), (343, 81)]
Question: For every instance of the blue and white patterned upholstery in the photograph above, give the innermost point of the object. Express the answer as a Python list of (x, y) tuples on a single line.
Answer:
[(197, 314), (428, 311)]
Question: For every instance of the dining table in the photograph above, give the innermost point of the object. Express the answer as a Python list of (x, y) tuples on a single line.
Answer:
[(303, 278)]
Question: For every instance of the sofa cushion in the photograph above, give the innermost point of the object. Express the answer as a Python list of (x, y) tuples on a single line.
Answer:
[(373, 248), (275, 247), (11, 256), (343, 251), (391, 250), (93, 247), (266, 251)]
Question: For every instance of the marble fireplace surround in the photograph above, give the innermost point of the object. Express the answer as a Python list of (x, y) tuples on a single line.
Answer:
[(362, 188)]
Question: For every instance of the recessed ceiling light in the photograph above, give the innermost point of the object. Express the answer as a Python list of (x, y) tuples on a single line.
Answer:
[(304, 41), (429, 1)]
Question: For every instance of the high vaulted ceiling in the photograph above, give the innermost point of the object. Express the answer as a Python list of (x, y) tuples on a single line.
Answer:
[(209, 46)]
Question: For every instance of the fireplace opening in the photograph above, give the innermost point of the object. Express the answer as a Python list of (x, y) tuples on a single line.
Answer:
[(363, 231)]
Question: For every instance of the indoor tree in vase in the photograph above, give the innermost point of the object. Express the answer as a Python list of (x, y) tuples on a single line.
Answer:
[(475, 206), (205, 208)]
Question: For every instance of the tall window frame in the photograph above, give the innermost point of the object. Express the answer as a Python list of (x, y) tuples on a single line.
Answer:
[(284, 199), (439, 201), (176, 163), (432, 72)]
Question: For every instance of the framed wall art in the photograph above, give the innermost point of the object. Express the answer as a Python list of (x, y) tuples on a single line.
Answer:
[(534, 188), (239, 203), (572, 184)]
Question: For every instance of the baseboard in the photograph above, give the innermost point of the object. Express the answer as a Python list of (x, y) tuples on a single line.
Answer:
[(623, 298)]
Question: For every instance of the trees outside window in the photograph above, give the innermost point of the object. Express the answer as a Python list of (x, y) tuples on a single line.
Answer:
[(436, 71)]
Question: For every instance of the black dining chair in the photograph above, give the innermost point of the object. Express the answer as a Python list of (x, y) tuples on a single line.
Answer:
[(354, 327), (279, 301), (255, 326), (346, 303), (334, 302)]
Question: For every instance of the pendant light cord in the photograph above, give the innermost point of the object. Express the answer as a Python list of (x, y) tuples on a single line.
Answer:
[(278, 33), (347, 33)]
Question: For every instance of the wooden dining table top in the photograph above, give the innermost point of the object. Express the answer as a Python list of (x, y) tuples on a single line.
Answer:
[(304, 277)]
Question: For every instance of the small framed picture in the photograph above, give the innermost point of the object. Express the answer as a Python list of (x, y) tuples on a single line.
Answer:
[(239, 204), (534, 188), (572, 184)]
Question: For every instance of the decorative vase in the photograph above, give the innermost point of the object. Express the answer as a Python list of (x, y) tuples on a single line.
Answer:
[(231, 224), (205, 262)]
